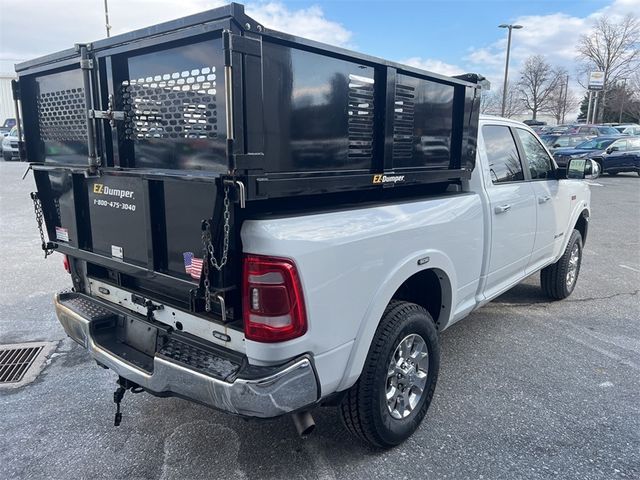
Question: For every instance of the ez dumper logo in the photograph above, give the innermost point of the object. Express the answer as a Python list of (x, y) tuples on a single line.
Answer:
[(102, 189), (379, 178)]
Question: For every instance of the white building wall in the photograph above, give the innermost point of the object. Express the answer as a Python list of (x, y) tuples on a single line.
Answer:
[(6, 98)]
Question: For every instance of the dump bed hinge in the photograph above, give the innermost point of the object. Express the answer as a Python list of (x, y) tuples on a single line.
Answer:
[(240, 44)]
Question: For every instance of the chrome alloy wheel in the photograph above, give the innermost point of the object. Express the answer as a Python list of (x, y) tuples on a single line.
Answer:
[(572, 271), (407, 376)]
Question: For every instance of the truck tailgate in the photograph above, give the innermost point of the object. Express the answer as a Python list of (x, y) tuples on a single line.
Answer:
[(140, 229)]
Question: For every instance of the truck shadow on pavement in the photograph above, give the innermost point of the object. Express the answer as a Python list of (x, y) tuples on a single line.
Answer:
[(526, 293)]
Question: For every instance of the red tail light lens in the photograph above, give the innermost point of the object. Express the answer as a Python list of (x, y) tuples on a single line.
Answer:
[(65, 263), (273, 304)]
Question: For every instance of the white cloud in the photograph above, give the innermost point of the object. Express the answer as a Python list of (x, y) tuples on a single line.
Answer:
[(434, 65), (553, 35), (58, 24), (307, 22)]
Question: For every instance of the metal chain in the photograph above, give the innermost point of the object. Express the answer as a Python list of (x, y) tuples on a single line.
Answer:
[(37, 208), (208, 250)]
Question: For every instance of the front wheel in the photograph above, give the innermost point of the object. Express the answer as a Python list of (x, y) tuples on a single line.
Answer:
[(395, 388), (559, 279)]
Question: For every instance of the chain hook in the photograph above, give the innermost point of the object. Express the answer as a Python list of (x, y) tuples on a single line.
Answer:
[(37, 208), (208, 254)]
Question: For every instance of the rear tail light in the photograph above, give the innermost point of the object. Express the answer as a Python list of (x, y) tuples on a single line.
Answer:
[(65, 262), (273, 304)]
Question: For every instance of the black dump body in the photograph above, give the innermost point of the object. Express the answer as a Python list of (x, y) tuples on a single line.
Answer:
[(136, 139)]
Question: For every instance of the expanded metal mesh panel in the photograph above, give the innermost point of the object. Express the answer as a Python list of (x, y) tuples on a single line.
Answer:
[(14, 362), (62, 115), (403, 121), (172, 105), (360, 116)]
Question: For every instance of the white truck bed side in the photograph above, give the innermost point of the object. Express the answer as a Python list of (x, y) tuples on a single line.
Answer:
[(351, 262)]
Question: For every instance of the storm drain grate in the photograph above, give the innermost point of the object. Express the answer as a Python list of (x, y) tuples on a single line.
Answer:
[(16, 361)]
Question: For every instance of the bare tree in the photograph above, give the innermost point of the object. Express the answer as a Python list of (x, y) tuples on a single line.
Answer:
[(562, 99), (487, 100), (612, 48), (491, 102), (633, 107), (538, 81)]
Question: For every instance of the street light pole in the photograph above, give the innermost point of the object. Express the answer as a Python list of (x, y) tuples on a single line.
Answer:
[(564, 100), (106, 18), (506, 64), (624, 94)]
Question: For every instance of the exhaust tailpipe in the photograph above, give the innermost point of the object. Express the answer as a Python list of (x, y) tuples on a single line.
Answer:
[(304, 423)]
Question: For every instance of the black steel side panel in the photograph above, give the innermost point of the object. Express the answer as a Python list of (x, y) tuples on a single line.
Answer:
[(319, 111)]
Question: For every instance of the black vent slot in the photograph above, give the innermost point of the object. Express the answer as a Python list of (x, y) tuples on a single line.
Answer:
[(360, 117), (403, 121), (171, 105), (62, 116)]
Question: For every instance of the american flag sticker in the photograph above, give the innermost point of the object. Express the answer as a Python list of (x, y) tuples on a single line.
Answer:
[(62, 234), (192, 265)]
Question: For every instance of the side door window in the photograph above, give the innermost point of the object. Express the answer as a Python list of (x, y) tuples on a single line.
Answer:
[(504, 161), (539, 161), (619, 146), (634, 144)]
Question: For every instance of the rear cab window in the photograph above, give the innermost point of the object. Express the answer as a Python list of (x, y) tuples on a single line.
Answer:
[(502, 154)]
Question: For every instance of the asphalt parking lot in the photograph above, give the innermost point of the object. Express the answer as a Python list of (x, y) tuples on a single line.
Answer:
[(527, 389)]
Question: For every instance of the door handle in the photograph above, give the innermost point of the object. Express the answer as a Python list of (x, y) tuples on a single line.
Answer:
[(502, 208), (544, 199)]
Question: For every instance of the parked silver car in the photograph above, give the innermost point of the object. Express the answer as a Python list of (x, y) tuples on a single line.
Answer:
[(10, 150)]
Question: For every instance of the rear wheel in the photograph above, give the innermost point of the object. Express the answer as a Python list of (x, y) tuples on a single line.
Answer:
[(559, 280), (393, 393)]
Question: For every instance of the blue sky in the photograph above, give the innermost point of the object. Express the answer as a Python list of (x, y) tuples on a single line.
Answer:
[(440, 29)]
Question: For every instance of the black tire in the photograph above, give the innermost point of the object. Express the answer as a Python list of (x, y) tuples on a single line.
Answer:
[(7, 157), (613, 174), (554, 278), (364, 409)]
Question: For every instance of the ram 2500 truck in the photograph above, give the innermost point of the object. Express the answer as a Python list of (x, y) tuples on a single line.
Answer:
[(265, 224)]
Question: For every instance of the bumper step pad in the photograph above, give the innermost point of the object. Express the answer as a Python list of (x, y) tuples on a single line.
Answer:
[(199, 359)]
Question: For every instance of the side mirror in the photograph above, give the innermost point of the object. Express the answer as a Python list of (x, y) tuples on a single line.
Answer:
[(583, 169), (612, 149), (557, 145)]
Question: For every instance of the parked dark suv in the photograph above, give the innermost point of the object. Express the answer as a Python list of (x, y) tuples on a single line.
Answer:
[(614, 154)]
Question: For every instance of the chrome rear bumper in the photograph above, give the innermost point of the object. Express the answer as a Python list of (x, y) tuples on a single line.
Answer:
[(277, 391)]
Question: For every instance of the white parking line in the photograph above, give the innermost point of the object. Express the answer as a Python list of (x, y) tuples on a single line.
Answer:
[(629, 268), (595, 184)]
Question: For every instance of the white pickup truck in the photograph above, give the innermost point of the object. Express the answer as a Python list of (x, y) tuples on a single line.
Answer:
[(275, 303), (362, 293)]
